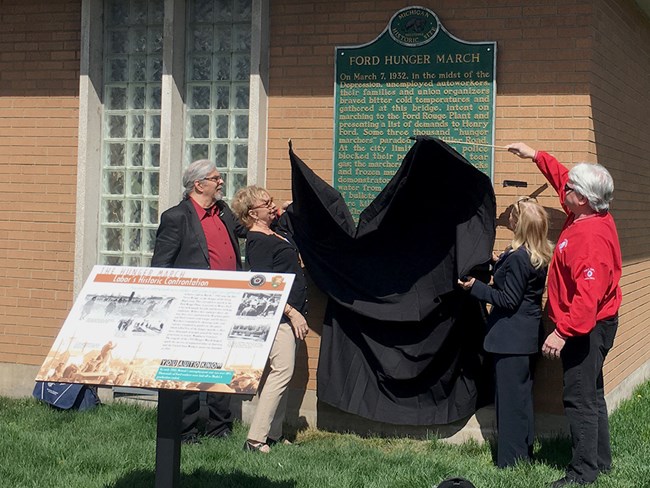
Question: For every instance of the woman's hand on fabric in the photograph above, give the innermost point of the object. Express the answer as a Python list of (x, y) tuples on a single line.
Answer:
[(283, 208), (467, 284)]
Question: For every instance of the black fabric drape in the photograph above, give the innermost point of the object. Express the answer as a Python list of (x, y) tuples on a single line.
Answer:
[(400, 343)]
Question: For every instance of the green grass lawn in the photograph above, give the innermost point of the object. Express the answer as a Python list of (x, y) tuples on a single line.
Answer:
[(114, 446)]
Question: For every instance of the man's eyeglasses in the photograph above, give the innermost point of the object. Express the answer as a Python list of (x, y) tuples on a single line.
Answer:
[(265, 204), (567, 188), (216, 179)]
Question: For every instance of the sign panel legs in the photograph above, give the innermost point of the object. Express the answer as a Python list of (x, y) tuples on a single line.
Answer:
[(168, 439)]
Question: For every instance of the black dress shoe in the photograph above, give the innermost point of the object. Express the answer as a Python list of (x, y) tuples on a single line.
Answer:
[(190, 439), (223, 434), (568, 481)]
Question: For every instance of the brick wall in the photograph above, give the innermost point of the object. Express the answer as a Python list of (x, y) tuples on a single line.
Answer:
[(39, 79), (543, 99), (547, 56), (621, 115), (571, 79)]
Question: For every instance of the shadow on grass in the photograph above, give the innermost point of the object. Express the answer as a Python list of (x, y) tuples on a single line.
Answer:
[(554, 452), (201, 478)]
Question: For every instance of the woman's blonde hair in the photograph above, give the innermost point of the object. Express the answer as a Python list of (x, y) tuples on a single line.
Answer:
[(244, 200), (531, 231)]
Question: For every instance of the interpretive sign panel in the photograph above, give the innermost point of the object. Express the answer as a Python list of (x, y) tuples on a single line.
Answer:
[(170, 328), (414, 79)]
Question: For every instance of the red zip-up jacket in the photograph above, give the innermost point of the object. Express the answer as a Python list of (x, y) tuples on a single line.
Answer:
[(584, 275)]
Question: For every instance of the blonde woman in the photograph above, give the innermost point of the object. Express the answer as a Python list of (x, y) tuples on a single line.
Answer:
[(271, 251), (514, 326)]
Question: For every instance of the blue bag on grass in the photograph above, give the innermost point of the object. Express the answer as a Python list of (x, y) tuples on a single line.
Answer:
[(66, 396)]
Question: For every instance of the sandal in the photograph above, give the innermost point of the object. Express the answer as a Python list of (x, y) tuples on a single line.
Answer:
[(255, 446), (281, 440)]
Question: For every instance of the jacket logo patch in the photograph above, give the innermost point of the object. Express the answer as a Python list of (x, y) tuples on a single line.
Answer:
[(589, 274), (562, 245)]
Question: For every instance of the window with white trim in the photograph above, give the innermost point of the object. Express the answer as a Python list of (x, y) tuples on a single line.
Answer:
[(146, 139)]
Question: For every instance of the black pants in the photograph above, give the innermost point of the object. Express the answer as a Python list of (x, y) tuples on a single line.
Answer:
[(219, 415), (514, 407), (584, 400)]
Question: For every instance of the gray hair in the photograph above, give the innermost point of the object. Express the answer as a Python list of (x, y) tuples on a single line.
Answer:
[(196, 172), (594, 183)]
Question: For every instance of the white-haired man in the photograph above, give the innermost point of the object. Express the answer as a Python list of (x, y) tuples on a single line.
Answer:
[(201, 233), (583, 301)]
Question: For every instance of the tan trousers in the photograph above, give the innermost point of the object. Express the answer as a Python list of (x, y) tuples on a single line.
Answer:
[(272, 398)]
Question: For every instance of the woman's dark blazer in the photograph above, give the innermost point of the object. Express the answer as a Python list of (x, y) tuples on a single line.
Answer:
[(514, 324), (269, 253)]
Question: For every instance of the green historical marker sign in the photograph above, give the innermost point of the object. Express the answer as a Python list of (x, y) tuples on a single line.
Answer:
[(414, 79)]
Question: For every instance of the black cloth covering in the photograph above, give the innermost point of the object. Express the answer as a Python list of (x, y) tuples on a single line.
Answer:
[(400, 343)]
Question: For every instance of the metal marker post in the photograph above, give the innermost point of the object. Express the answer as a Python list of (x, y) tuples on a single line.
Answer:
[(168, 439)]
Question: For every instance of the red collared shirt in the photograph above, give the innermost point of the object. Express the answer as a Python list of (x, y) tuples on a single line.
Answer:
[(220, 248)]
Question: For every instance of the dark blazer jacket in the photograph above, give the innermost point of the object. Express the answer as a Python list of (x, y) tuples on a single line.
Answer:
[(514, 324), (268, 253), (180, 240)]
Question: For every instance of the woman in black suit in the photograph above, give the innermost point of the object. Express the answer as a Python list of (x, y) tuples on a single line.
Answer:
[(514, 326), (271, 251)]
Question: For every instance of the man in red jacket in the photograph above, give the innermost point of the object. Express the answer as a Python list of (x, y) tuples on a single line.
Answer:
[(583, 301)]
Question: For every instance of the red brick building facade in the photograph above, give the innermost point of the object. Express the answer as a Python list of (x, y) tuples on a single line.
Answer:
[(572, 79)]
